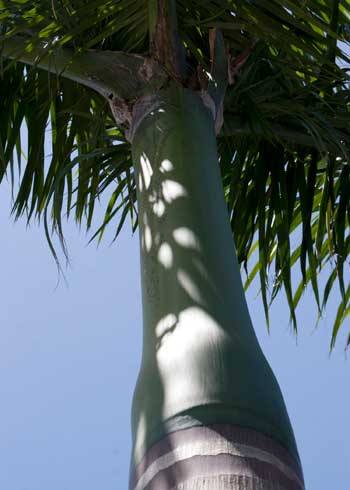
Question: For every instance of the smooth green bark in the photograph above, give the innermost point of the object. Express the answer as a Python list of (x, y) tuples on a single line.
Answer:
[(201, 360)]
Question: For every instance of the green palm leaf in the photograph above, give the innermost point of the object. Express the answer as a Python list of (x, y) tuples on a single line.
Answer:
[(284, 146)]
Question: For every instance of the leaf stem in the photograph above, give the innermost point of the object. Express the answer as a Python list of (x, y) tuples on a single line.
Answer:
[(114, 75)]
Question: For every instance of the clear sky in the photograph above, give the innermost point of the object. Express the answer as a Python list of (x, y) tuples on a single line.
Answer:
[(69, 356)]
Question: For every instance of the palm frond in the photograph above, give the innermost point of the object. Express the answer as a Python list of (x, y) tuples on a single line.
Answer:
[(284, 147)]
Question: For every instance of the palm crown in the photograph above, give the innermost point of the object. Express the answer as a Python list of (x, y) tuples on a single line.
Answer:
[(283, 147)]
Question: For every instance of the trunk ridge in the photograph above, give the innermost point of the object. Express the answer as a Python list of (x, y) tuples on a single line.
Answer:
[(217, 456)]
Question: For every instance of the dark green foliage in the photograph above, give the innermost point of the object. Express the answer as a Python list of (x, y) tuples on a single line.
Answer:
[(283, 150)]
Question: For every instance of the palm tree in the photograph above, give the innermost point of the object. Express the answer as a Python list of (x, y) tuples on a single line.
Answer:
[(219, 128)]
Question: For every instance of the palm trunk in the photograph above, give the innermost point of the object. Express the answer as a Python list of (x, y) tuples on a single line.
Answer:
[(207, 411)]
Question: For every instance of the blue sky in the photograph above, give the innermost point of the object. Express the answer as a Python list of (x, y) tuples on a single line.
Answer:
[(69, 355)]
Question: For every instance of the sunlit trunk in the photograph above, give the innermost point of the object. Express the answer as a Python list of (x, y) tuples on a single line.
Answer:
[(207, 412)]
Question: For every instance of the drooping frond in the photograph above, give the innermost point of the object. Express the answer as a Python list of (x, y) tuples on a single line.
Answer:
[(284, 146), (285, 164)]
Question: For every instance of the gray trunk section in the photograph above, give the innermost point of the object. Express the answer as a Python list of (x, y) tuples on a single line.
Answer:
[(213, 452), (228, 482)]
